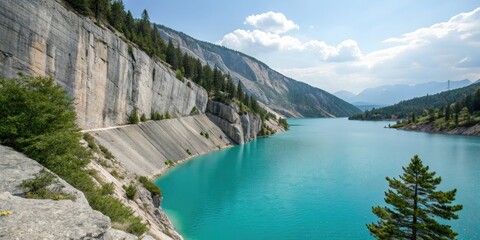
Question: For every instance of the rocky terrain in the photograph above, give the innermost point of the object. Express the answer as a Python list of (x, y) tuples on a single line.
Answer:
[(470, 131), (282, 94), (45, 218)]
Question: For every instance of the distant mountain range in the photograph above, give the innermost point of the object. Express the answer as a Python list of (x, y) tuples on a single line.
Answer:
[(278, 92), (390, 94)]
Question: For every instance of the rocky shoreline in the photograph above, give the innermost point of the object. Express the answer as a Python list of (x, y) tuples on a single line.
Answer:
[(467, 131)]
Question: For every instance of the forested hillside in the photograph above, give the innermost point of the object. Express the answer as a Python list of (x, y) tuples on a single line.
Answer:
[(280, 93), (417, 106)]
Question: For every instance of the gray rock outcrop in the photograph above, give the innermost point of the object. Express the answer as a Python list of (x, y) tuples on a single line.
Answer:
[(240, 128), (16, 168), (106, 77), (48, 219), (44, 218)]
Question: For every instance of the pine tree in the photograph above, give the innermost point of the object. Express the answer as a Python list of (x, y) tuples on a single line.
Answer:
[(82, 6), (239, 91), (416, 206), (117, 15), (100, 8), (134, 117), (171, 55)]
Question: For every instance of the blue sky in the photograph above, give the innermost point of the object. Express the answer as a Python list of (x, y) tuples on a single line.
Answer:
[(337, 45)]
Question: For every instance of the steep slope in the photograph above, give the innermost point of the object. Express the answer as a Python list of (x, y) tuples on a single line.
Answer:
[(417, 105), (282, 94)]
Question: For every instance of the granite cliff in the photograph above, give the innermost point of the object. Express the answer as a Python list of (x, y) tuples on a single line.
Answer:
[(107, 76)]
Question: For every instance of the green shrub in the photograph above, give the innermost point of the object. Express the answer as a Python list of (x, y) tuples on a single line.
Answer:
[(206, 135), (37, 187), (91, 141), (137, 227), (130, 191), (134, 117), (108, 188), (194, 111), (130, 49), (283, 122), (105, 152), (179, 75), (169, 163), (149, 185), (116, 174), (188, 151), (143, 118), (168, 116)]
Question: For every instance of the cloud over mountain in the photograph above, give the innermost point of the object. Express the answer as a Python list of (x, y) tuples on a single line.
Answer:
[(269, 35), (442, 51)]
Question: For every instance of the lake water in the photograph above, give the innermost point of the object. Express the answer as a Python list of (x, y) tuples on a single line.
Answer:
[(318, 180)]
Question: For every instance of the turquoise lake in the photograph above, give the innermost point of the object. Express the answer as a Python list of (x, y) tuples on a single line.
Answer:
[(318, 180)]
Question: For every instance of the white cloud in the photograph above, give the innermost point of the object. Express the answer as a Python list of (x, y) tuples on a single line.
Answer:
[(272, 22), (444, 51), (347, 50), (256, 41)]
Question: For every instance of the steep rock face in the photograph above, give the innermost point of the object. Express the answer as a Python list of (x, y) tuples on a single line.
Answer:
[(240, 128), (145, 149), (280, 93), (251, 125), (106, 77)]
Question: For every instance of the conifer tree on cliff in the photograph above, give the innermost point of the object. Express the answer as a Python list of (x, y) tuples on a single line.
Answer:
[(416, 206)]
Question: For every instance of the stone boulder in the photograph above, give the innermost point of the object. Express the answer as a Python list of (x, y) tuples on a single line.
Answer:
[(49, 219)]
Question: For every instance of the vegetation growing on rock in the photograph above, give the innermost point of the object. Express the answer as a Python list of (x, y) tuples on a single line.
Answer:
[(37, 187), (37, 118), (149, 185)]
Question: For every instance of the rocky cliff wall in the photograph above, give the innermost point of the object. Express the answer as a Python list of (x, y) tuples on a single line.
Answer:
[(240, 128), (106, 78)]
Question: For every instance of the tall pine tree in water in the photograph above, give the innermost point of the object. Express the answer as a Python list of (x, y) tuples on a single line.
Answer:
[(416, 207)]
